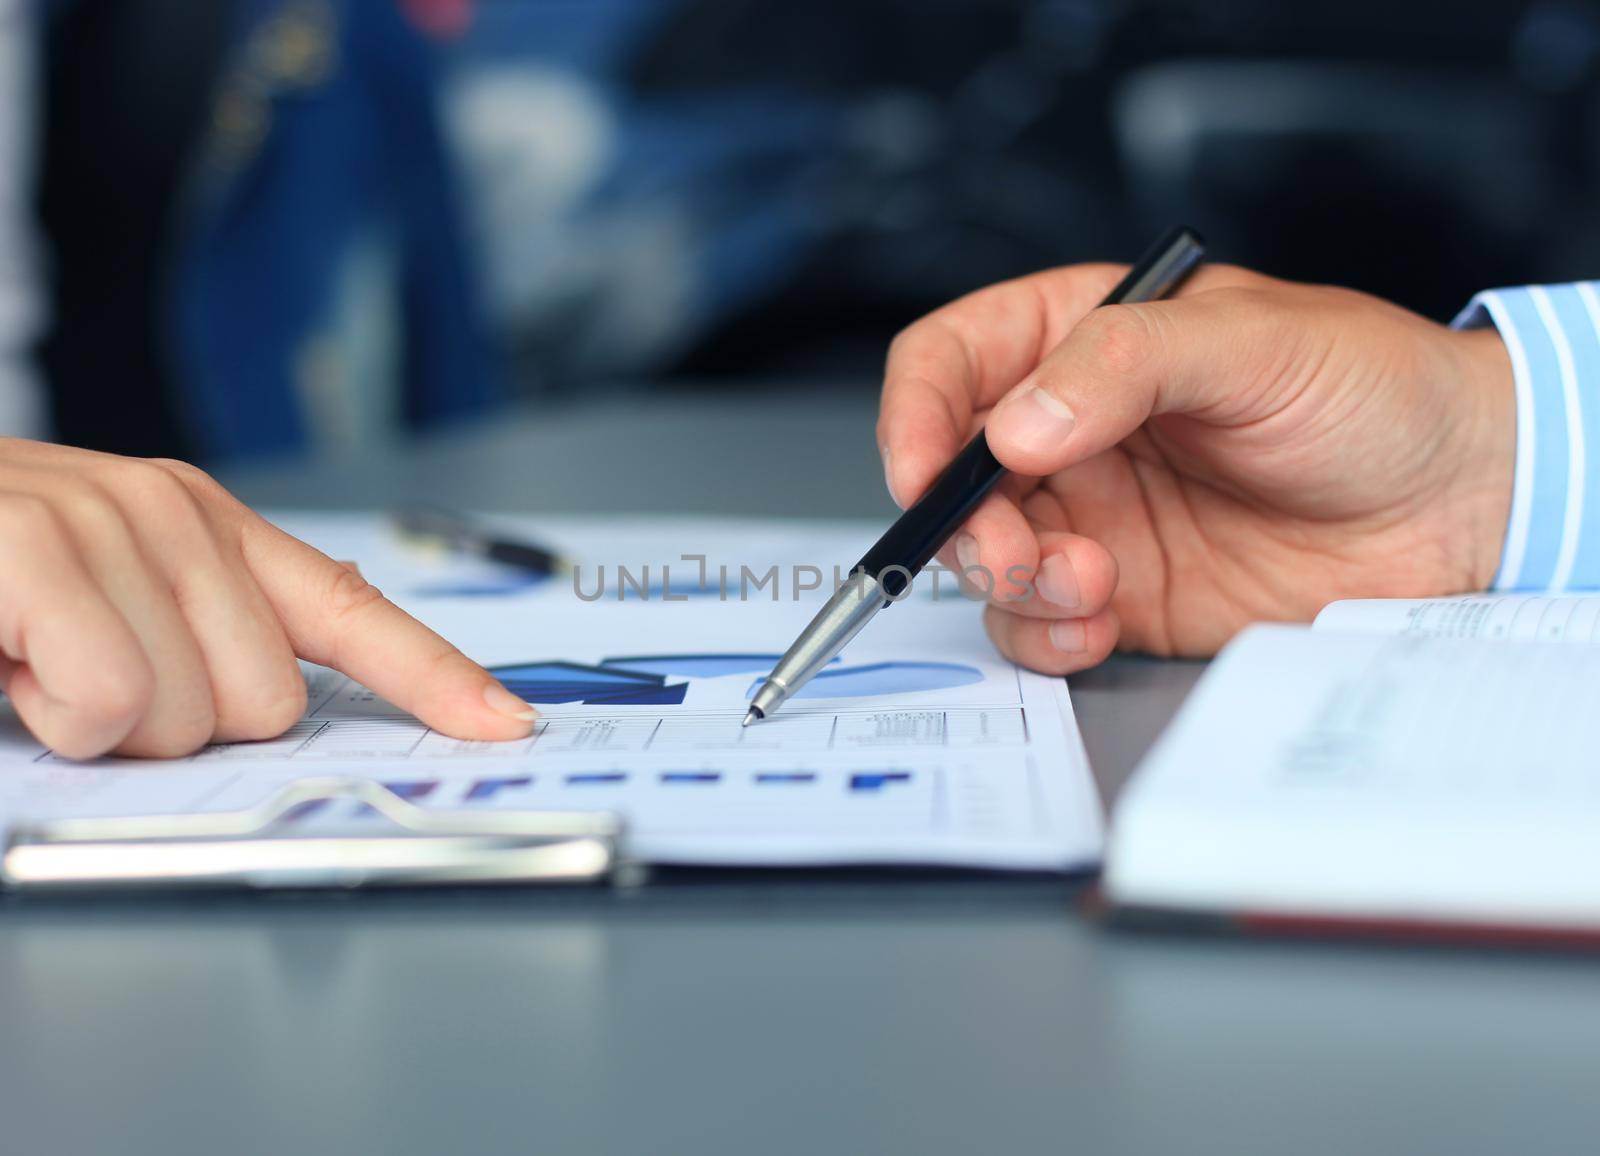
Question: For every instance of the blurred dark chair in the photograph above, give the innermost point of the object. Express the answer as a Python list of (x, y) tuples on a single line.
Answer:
[(1410, 183), (255, 237)]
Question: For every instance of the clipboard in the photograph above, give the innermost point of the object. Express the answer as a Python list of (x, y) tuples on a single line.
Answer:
[(257, 848)]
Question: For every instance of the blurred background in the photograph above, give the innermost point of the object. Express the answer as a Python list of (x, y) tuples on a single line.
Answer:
[(262, 228)]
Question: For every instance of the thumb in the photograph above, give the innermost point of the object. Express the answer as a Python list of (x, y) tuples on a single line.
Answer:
[(1118, 367)]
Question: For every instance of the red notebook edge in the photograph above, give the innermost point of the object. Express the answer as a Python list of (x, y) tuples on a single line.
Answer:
[(1278, 925)]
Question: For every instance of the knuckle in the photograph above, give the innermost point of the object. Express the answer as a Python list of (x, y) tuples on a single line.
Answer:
[(269, 715), (201, 485), (901, 342), (925, 344), (173, 739), (154, 491), (439, 666), (183, 471), (1247, 300), (91, 509), (1266, 310), (288, 709), (904, 362), (124, 695), (25, 518), (349, 593), (1119, 338)]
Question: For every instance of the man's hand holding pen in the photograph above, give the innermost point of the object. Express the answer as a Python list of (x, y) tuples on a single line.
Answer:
[(1248, 450)]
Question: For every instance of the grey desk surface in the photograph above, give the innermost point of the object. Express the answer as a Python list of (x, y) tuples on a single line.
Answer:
[(742, 1013)]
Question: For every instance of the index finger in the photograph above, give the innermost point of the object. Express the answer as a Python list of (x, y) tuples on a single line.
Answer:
[(946, 369), (335, 617)]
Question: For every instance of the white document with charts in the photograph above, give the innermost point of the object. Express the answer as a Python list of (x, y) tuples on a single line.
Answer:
[(918, 745)]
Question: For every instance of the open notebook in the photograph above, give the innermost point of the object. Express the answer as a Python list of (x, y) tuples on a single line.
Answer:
[(1404, 766)]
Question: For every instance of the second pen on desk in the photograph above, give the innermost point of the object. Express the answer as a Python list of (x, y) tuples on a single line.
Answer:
[(463, 535), (886, 570)]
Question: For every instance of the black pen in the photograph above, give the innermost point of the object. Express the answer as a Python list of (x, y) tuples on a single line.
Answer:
[(886, 570), (465, 536)]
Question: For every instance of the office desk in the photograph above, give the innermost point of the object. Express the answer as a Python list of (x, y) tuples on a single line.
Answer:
[(746, 1013)]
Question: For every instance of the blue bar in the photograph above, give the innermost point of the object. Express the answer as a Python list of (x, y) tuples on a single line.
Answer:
[(489, 788), (412, 791), (690, 776), (877, 780)]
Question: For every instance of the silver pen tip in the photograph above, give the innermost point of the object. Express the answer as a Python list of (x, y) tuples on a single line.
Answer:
[(753, 715)]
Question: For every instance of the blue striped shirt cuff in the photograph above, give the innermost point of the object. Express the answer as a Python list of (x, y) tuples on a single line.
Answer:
[(1552, 333)]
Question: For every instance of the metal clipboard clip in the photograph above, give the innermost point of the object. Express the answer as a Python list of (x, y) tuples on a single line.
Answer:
[(417, 847)]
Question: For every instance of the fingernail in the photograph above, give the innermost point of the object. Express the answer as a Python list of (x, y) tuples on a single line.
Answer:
[(504, 702), (1058, 582), (1069, 635), (888, 474), (967, 551), (1032, 420)]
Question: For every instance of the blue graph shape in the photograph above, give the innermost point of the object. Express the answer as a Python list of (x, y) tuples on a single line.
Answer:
[(671, 694), (606, 586), (885, 678), (694, 665), (557, 682), (662, 679)]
